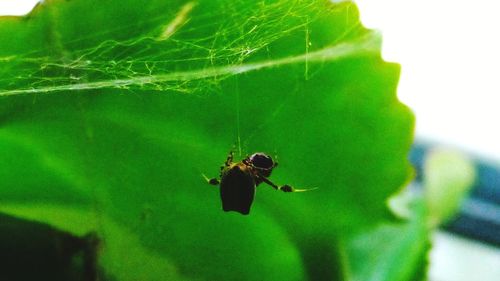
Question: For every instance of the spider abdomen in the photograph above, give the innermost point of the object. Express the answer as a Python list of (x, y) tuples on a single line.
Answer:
[(237, 189)]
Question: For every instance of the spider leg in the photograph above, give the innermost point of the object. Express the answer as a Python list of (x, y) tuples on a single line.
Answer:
[(227, 163), (229, 159), (212, 181), (266, 180), (286, 187)]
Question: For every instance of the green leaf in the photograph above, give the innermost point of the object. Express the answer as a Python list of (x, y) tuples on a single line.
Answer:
[(391, 250), (110, 112), (448, 177)]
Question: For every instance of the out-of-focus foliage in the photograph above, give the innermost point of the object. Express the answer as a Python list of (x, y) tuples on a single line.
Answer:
[(448, 176)]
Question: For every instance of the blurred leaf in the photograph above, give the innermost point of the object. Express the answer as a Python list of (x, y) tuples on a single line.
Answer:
[(395, 251), (110, 111), (448, 176)]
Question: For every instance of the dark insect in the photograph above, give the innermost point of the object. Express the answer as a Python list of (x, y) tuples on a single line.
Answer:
[(238, 181)]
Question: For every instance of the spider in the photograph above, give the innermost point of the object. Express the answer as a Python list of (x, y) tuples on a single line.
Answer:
[(239, 180)]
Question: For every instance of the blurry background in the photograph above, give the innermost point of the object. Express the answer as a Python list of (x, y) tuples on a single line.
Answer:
[(449, 52)]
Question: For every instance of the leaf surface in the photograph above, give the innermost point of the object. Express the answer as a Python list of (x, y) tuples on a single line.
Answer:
[(110, 112)]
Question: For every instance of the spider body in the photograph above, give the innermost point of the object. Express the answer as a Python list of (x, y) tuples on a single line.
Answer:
[(239, 180), (237, 188)]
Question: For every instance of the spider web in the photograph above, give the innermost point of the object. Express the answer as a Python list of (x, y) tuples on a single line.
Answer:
[(172, 55), (188, 51)]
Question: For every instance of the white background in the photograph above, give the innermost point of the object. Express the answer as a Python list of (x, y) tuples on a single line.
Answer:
[(16, 7), (450, 57)]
